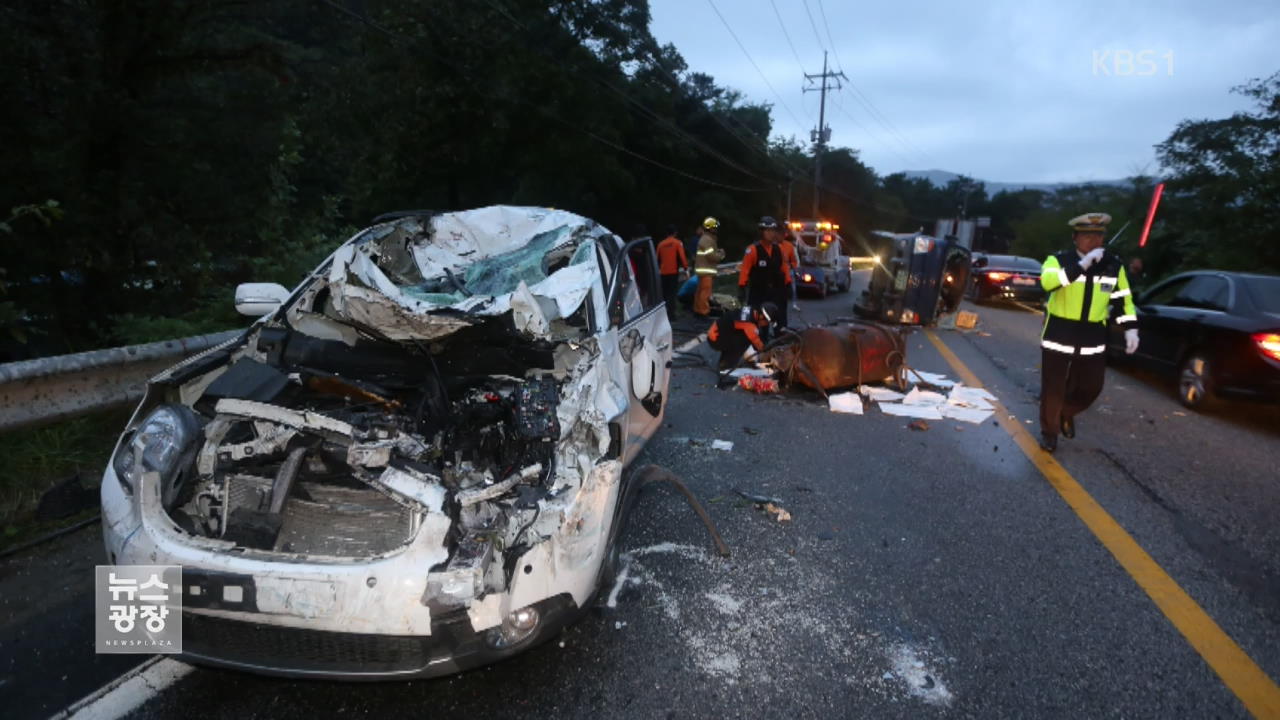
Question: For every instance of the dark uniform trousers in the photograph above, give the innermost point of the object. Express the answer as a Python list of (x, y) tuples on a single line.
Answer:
[(1069, 383), (670, 286)]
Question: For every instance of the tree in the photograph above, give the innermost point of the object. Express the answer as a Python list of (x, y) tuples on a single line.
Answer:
[(1220, 208)]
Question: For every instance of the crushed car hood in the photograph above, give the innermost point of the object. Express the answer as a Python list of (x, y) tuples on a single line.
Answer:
[(424, 277)]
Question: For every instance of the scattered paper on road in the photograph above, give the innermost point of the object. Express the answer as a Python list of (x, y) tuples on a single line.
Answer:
[(928, 378), (847, 402), (725, 445), (880, 394), (966, 414), (923, 397), (925, 412)]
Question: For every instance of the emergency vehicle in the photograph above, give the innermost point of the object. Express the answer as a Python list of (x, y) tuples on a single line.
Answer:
[(823, 266)]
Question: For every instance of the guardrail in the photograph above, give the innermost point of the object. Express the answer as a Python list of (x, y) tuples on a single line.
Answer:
[(34, 392)]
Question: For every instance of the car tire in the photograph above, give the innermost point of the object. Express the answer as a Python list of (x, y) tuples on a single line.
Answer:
[(1195, 382)]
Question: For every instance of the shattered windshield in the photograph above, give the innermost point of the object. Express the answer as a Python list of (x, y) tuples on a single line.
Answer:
[(502, 274)]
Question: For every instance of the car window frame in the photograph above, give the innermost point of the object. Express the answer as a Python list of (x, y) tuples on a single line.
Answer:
[(1223, 280), (1148, 296)]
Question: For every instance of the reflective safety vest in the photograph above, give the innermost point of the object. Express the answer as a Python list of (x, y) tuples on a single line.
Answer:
[(765, 267), (1075, 319), (709, 253)]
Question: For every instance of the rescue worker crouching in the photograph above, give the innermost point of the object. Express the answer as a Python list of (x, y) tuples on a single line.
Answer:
[(1085, 284), (765, 273), (739, 330), (704, 266)]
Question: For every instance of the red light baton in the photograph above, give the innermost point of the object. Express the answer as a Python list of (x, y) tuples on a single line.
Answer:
[(1151, 214)]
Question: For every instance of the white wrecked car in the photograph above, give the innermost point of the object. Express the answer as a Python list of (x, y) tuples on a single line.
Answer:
[(414, 463)]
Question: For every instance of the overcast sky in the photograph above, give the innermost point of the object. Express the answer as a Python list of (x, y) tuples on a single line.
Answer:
[(1024, 91)]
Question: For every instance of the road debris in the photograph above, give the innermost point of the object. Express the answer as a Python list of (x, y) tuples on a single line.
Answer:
[(751, 372), (928, 378), (725, 445), (778, 512), (966, 320), (847, 402), (759, 499), (918, 425), (757, 384), (880, 394)]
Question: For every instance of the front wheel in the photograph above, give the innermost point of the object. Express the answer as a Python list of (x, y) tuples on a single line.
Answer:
[(1195, 384)]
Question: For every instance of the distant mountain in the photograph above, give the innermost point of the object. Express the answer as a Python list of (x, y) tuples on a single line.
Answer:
[(940, 178)]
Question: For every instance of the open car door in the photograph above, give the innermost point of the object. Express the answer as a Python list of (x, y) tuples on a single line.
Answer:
[(637, 311)]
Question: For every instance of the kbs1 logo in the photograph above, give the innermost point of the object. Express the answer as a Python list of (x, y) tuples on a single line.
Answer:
[(1127, 63), (139, 609)]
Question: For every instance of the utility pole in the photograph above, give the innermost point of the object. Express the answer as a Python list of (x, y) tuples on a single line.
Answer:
[(823, 133)]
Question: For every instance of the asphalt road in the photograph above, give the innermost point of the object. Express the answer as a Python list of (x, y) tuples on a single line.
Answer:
[(924, 573)]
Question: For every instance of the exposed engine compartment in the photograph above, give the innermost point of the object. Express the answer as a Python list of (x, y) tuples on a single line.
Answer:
[(313, 448)]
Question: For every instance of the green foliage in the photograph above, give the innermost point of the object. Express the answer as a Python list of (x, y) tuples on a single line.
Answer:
[(36, 459), (197, 144), (1220, 208)]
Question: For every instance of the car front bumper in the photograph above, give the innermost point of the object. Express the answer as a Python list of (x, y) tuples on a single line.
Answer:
[(242, 643), (382, 617)]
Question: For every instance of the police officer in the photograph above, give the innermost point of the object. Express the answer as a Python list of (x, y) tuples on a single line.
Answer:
[(765, 273), (1084, 284), (737, 330)]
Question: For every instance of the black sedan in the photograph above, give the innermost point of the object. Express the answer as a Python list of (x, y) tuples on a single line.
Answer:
[(1005, 277), (1218, 331)]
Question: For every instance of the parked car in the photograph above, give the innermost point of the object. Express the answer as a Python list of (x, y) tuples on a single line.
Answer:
[(1219, 332), (413, 463), (1005, 277)]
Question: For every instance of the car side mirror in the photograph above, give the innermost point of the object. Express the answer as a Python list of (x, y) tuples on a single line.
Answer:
[(258, 299), (979, 262)]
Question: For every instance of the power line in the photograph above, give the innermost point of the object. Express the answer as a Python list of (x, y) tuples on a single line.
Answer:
[(883, 121), (827, 26), (787, 35), (816, 35), (751, 60)]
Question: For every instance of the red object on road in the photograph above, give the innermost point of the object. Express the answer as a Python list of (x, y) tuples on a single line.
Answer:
[(761, 385), (1151, 214)]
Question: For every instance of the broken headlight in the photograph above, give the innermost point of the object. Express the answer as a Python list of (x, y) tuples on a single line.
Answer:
[(515, 628), (157, 445)]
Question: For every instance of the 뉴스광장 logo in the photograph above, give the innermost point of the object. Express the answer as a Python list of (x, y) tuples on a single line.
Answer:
[(138, 609)]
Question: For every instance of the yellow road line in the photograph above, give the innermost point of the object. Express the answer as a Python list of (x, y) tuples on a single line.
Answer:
[(1238, 671), (1029, 308)]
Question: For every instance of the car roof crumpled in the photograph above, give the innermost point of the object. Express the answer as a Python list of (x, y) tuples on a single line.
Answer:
[(420, 277)]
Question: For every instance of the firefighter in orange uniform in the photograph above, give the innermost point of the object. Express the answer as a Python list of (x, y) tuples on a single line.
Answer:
[(671, 260), (765, 274), (738, 330)]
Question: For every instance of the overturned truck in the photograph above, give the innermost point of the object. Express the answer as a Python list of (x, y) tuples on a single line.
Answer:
[(413, 463)]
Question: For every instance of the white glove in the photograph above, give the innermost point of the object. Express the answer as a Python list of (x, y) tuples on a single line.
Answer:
[(1130, 341), (1090, 258)]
